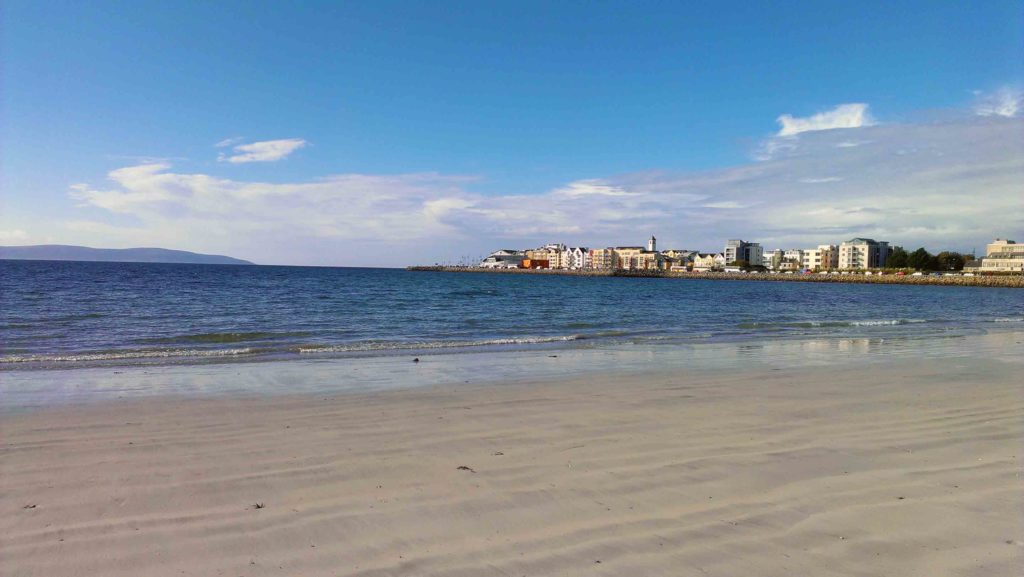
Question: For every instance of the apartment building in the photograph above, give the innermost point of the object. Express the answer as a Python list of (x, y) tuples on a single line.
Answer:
[(577, 257), (741, 250), (1003, 255), (825, 257), (863, 253)]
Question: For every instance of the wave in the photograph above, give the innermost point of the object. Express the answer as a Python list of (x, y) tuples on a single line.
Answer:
[(123, 355), (1009, 320), (386, 346), (221, 338), (827, 324), (351, 347)]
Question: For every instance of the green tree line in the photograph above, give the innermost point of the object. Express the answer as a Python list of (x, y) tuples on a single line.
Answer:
[(921, 259)]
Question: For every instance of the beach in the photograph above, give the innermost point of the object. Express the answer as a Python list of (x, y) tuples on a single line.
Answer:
[(894, 467)]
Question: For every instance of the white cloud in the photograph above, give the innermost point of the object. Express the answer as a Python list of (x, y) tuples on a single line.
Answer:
[(1003, 102), (843, 116), (15, 235), (265, 151), (591, 187), (723, 204), (950, 185), (229, 141)]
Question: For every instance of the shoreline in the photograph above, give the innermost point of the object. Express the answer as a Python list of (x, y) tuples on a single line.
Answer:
[(894, 468), (1001, 281)]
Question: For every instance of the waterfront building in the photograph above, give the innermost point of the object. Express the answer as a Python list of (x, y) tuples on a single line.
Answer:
[(604, 258), (825, 257), (704, 262), (629, 257), (680, 255), (638, 258), (772, 259), (792, 259), (1003, 255), (552, 253), (863, 253), (577, 257), (740, 250), (536, 263), (504, 258)]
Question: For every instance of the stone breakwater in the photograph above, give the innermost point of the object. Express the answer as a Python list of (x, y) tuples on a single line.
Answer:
[(1006, 281)]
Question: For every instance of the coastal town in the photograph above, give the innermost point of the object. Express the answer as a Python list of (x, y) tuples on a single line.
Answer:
[(861, 255)]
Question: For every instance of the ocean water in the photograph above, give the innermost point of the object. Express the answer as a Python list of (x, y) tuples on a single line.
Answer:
[(77, 314)]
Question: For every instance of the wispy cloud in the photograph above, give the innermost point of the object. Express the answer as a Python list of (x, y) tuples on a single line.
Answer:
[(1003, 102), (592, 187), (229, 141), (15, 235), (264, 151), (822, 180), (843, 116)]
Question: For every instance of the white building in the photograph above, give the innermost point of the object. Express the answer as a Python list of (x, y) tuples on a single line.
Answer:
[(772, 259), (505, 258), (863, 253), (825, 257), (1003, 255), (792, 259), (577, 257)]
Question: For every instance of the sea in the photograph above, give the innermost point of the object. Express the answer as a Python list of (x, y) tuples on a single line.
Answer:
[(56, 314)]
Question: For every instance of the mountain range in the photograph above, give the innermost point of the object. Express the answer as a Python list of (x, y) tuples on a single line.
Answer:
[(84, 253)]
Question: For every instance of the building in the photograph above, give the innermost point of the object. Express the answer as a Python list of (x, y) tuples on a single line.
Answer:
[(552, 253), (629, 257), (792, 260), (536, 263), (863, 253), (1003, 255), (825, 257), (737, 250), (704, 262), (577, 257), (504, 258), (638, 258), (772, 259), (604, 258), (680, 255)]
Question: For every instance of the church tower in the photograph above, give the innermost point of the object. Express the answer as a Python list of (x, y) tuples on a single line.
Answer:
[(652, 245)]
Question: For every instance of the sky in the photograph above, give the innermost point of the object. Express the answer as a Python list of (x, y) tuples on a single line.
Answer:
[(396, 133)]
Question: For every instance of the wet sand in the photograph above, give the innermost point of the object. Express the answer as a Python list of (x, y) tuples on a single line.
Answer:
[(895, 469)]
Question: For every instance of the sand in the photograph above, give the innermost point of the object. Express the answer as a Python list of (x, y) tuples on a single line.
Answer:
[(889, 470)]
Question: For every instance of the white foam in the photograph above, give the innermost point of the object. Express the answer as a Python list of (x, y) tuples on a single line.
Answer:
[(377, 346), (153, 354)]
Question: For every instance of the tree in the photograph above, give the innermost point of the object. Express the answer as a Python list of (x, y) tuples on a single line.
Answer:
[(949, 260), (921, 259), (898, 258)]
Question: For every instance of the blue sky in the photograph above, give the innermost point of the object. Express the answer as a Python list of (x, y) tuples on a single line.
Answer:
[(391, 133)]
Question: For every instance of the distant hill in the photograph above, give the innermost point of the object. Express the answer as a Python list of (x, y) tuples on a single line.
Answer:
[(68, 252)]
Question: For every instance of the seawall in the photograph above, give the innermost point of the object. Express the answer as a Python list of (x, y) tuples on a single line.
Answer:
[(1006, 281)]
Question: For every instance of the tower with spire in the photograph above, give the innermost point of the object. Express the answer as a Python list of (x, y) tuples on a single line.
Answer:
[(652, 244)]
